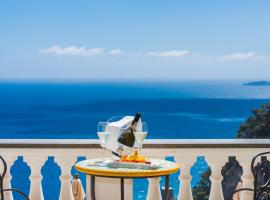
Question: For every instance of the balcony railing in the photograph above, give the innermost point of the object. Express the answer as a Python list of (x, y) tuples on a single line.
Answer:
[(65, 153)]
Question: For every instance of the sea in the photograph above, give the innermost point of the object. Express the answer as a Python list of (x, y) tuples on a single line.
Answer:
[(174, 110)]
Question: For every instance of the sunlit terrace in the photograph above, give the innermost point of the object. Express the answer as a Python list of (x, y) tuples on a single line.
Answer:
[(36, 154)]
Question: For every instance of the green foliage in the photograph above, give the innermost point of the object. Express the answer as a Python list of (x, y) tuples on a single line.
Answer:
[(257, 126), (202, 191)]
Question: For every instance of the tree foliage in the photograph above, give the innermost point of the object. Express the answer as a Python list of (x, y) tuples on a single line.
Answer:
[(202, 191), (258, 125)]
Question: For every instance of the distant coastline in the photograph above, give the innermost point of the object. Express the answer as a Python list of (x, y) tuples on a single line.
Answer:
[(257, 83)]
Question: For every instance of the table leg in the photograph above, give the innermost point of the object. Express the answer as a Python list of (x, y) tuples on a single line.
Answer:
[(122, 189), (93, 196), (167, 185)]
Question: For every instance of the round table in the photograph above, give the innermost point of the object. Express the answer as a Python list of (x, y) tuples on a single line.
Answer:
[(90, 167)]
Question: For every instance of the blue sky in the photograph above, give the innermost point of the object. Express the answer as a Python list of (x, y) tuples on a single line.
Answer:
[(117, 39)]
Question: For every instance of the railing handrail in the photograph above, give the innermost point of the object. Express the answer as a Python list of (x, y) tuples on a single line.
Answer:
[(149, 143)]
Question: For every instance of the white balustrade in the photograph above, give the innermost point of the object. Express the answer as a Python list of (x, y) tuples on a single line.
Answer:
[(185, 192), (216, 178), (186, 159), (247, 177), (216, 152), (87, 192), (153, 192), (247, 182), (153, 189), (35, 163), (65, 162)]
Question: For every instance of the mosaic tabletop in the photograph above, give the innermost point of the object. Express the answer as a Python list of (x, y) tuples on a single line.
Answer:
[(108, 168)]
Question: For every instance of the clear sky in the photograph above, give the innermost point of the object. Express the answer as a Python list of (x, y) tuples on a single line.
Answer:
[(134, 39)]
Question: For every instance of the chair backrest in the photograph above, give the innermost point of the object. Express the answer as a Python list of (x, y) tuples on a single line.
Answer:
[(261, 177)]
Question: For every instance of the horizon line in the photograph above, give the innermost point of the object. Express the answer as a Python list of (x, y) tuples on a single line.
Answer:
[(124, 80)]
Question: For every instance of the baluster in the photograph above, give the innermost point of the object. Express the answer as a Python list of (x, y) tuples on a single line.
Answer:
[(6, 184), (185, 177), (153, 192), (65, 162), (247, 181), (35, 164), (216, 165), (185, 192), (154, 189), (88, 193)]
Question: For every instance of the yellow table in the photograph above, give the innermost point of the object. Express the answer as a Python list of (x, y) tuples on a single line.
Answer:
[(92, 168)]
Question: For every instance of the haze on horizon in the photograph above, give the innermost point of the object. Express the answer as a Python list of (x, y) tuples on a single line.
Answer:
[(134, 40)]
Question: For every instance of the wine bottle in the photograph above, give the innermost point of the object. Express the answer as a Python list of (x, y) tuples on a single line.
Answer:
[(127, 138)]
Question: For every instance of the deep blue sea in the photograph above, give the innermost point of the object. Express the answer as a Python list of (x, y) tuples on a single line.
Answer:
[(171, 109)]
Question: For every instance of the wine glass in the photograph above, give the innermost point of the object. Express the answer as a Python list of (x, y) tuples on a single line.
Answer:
[(103, 135), (115, 118), (141, 133)]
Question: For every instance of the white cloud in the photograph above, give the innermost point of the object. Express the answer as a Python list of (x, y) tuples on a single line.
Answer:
[(72, 50), (116, 52), (95, 51), (242, 56), (84, 51), (169, 53)]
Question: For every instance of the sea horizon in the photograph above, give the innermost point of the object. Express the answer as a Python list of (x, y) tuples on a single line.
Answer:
[(72, 110)]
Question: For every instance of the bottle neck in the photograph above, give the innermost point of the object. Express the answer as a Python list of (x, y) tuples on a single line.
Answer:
[(136, 119)]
